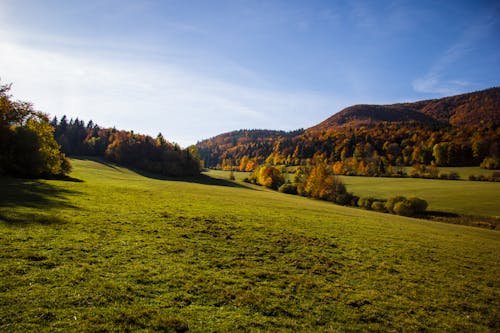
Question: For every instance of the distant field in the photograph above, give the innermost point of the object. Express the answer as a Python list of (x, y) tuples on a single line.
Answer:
[(463, 197), (463, 172), (124, 252)]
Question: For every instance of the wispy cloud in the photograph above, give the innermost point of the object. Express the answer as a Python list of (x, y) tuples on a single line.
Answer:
[(149, 96), (439, 78)]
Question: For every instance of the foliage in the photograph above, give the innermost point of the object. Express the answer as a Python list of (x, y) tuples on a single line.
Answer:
[(491, 163), (378, 206), (376, 140), (288, 188), (420, 205), (366, 202), (120, 252), (27, 145), (404, 208), (320, 182), (425, 171), (126, 148), (407, 207), (268, 176), (391, 203)]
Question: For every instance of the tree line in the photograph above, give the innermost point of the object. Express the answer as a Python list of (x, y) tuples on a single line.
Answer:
[(34, 147), (140, 151), (376, 150)]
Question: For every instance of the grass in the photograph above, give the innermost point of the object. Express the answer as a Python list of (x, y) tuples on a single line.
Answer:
[(463, 172), (461, 197), (124, 252)]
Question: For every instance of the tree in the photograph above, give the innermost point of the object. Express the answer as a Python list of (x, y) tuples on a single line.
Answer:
[(269, 176), (322, 184), (440, 153), (27, 144)]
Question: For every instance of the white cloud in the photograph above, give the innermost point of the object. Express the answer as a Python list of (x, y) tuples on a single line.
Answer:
[(146, 96)]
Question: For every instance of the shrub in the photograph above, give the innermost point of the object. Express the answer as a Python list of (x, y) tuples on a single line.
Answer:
[(345, 199), (404, 208), (231, 175), (288, 188), (419, 205), (472, 177), (453, 176), (378, 206), (443, 175), (491, 163), (366, 202), (389, 205)]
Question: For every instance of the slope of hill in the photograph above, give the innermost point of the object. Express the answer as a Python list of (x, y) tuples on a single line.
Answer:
[(122, 252), (480, 108), (466, 126), (234, 145)]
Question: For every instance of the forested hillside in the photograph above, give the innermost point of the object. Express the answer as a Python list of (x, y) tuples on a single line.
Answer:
[(253, 145), (140, 151), (480, 108), (370, 139)]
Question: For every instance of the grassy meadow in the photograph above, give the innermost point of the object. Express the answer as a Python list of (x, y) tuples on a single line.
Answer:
[(461, 197), (119, 251)]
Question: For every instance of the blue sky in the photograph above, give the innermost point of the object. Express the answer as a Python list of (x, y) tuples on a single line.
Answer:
[(194, 69)]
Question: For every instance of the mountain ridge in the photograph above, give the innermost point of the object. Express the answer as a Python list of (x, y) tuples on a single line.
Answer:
[(475, 108), (467, 125)]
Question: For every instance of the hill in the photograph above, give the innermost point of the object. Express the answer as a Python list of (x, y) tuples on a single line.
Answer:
[(122, 252), (480, 108), (459, 130), (225, 148)]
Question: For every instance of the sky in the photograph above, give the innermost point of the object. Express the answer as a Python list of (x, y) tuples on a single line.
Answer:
[(195, 69)]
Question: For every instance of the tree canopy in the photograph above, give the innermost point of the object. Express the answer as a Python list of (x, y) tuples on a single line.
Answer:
[(27, 145)]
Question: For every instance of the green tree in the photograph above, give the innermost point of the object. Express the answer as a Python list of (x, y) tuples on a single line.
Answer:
[(27, 144)]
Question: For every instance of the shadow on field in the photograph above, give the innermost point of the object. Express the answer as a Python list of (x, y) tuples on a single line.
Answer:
[(488, 222), (200, 179), (31, 194)]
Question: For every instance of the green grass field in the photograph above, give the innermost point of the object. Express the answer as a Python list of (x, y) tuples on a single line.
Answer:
[(462, 197), (463, 172), (124, 252)]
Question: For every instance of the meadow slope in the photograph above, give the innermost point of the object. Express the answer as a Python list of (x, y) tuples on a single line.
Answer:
[(120, 251)]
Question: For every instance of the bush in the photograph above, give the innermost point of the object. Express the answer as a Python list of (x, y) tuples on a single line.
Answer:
[(407, 207), (453, 176), (491, 163), (378, 206), (443, 175), (366, 202), (419, 205), (389, 205), (345, 199), (404, 208), (288, 188)]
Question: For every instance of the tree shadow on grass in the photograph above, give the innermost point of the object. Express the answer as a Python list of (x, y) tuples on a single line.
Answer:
[(41, 199), (25, 219), (199, 179), (488, 222)]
